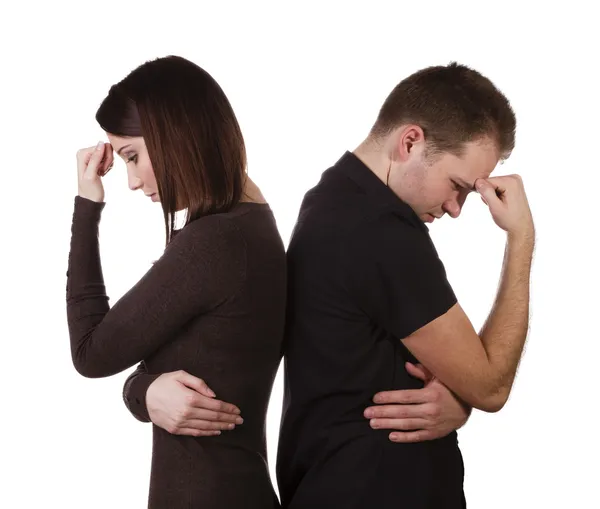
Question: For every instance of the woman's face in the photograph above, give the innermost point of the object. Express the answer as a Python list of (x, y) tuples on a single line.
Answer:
[(140, 174)]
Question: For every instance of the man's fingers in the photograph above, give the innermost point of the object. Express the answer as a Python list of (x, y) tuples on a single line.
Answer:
[(406, 437), (487, 192), (400, 424), (418, 371), (394, 411), (403, 396)]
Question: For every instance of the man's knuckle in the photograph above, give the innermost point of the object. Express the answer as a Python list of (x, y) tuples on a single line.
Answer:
[(430, 411)]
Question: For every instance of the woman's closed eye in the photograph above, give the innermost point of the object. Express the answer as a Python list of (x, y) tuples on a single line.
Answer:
[(132, 158)]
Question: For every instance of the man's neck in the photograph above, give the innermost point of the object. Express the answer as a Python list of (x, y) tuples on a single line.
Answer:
[(375, 157)]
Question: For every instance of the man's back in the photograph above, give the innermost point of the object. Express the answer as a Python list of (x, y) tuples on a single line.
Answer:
[(338, 355)]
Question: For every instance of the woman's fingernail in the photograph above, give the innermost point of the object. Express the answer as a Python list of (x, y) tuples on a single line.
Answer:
[(239, 420), (369, 413), (211, 393), (100, 145), (373, 423)]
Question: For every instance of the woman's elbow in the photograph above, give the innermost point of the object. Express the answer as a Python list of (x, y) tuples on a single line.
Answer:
[(89, 369)]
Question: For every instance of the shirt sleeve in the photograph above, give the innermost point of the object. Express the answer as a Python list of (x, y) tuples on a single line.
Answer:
[(135, 389), (396, 276), (202, 267)]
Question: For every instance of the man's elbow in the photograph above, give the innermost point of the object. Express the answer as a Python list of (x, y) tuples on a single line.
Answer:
[(492, 402)]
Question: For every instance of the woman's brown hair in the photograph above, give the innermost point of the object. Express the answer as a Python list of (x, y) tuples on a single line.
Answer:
[(194, 141)]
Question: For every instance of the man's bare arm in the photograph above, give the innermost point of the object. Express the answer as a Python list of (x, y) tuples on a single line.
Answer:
[(481, 369)]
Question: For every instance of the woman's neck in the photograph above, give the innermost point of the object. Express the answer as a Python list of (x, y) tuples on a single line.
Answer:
[(251, 192)]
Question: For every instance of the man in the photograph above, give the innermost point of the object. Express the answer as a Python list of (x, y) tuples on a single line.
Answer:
[(367, 293), (369, 299)]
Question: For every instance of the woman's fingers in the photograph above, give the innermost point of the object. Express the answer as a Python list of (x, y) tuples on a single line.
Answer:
[(199, 401), (213, 416), (107, 161), (94, 161), (88, 167), (196, 432)]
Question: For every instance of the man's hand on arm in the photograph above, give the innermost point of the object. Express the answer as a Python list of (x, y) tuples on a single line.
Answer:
[(420, 414)]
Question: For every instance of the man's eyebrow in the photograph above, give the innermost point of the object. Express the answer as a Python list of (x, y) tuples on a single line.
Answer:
[(470, 187), (124, 146)]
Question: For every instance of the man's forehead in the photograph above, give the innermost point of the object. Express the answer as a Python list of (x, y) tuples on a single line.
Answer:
[(481, 160)]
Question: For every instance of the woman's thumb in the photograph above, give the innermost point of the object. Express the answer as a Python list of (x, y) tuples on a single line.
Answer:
[(196, 383)]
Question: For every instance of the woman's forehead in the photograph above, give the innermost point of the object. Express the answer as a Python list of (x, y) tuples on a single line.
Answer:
[(120, 142)]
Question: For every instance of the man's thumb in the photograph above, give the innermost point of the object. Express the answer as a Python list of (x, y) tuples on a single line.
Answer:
[(418, 371), (487, 192)]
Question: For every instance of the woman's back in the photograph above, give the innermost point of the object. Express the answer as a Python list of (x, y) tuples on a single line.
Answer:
[(236, 348)]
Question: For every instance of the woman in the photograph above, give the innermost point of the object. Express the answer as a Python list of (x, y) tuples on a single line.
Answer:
[(212, 305)]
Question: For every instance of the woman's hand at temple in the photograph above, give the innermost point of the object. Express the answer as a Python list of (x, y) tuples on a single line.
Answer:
[(92, 164)]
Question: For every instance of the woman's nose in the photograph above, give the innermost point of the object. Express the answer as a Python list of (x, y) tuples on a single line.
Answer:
[(133, 181)]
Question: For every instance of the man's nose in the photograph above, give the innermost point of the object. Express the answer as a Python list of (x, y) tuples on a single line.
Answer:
[(452, 208)]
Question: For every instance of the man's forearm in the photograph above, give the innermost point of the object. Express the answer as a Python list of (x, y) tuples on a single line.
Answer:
[(505, 331)]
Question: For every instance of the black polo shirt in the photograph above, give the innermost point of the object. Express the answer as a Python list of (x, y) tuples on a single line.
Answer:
[(363, 273)]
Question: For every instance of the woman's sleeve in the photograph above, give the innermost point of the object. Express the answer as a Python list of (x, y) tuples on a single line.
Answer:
[(134, 392), (202, 267)]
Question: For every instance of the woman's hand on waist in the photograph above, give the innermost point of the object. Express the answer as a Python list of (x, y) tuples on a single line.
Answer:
[(183, 404)]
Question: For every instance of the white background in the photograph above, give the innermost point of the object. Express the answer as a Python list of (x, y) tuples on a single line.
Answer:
[(306, 80)]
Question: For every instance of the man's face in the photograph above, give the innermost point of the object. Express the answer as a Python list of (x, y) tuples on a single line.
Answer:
[(442, 185)]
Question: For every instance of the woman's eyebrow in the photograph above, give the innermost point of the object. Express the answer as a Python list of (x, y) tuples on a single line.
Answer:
[(124, 146)]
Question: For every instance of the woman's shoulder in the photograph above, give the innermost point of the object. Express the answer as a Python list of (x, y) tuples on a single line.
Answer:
[(208, 229)]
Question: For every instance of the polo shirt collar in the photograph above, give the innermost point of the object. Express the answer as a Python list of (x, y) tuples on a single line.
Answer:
[(380, 194)]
